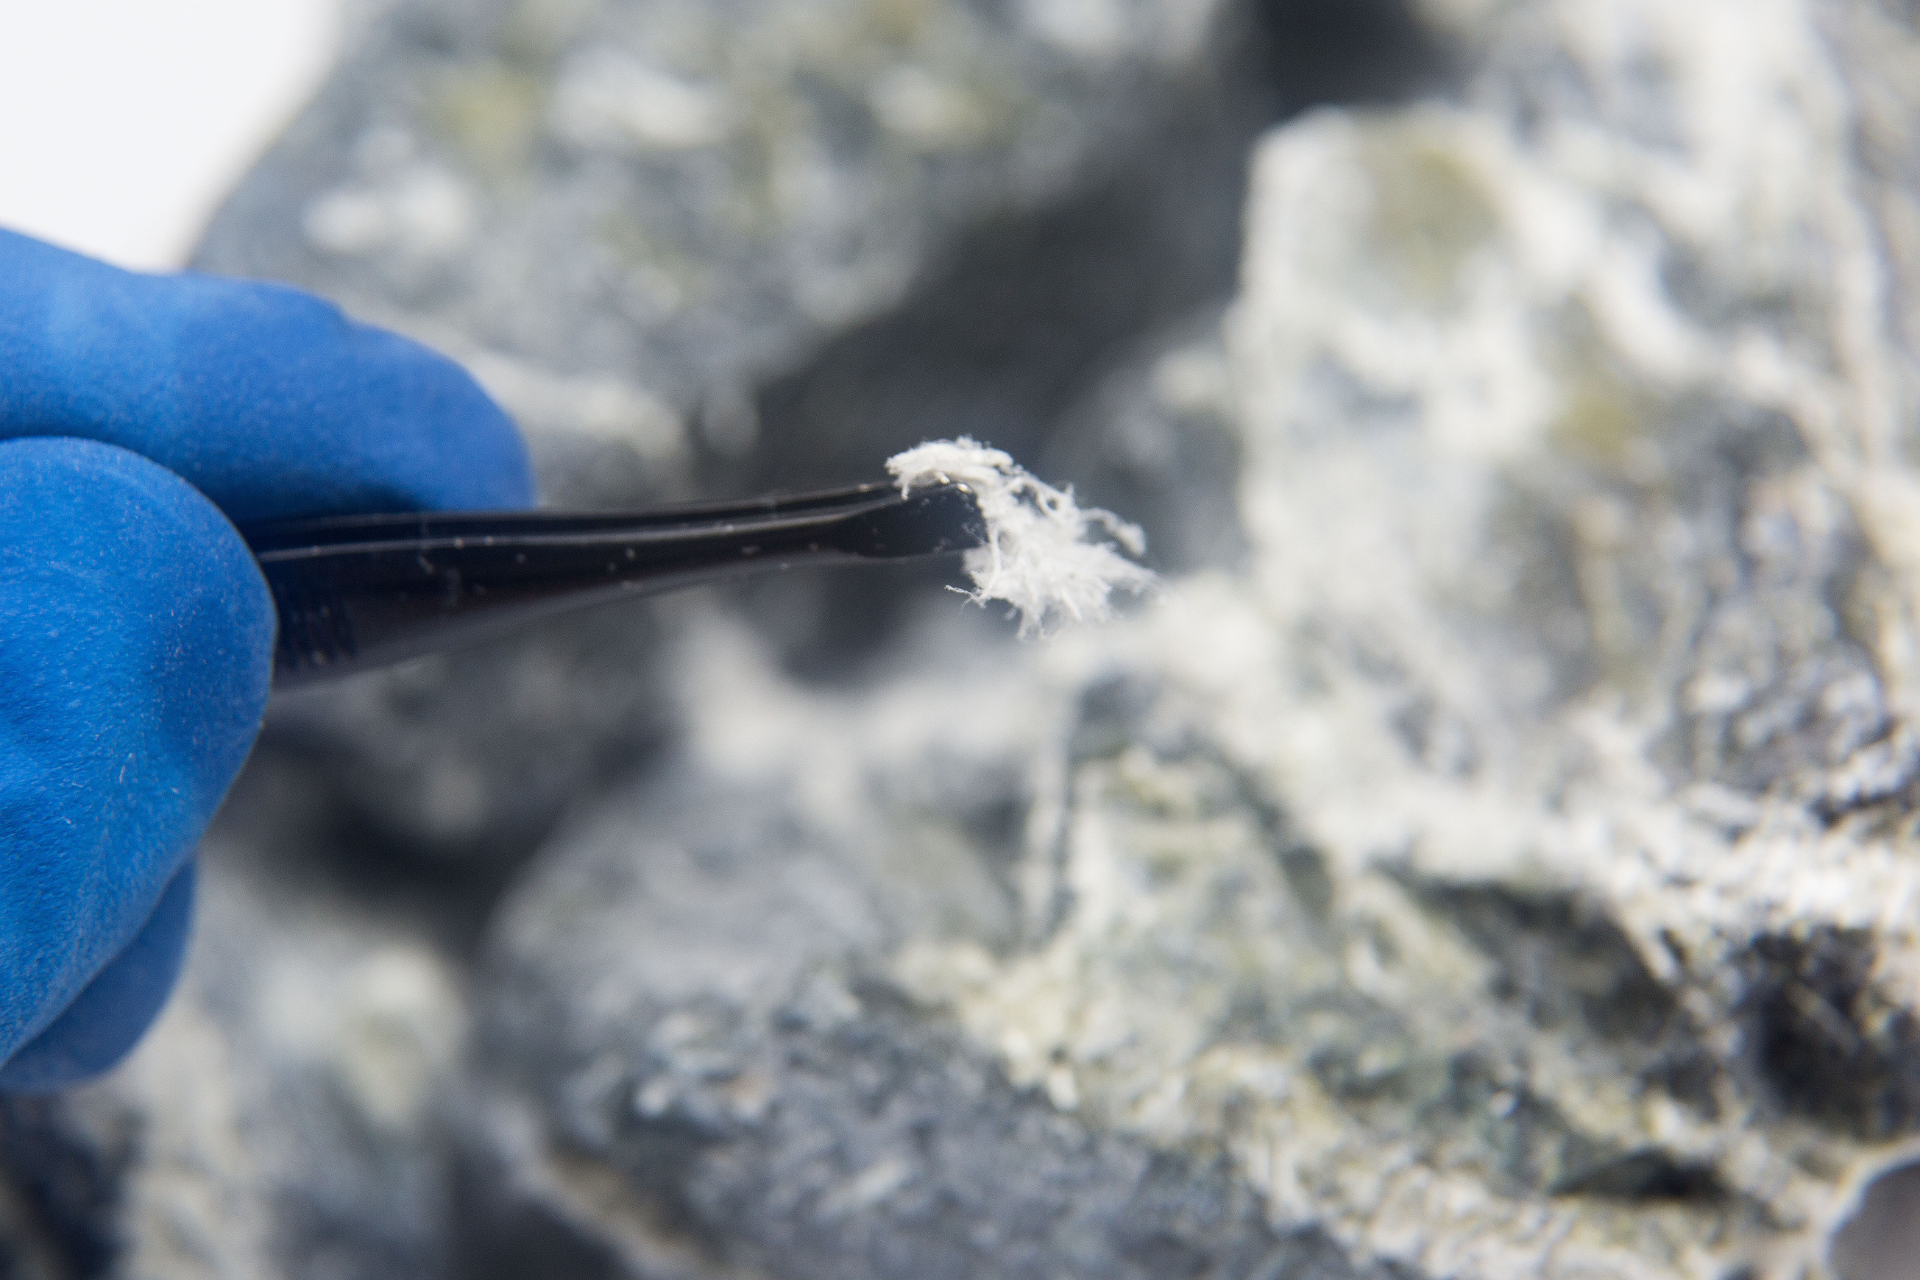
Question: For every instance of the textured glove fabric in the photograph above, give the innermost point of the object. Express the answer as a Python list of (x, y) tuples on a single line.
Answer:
[(266, 399), (111, 1013), (138, 648), (139, 417)]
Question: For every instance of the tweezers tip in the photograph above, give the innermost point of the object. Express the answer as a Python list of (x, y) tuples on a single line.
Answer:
[(937, 520)]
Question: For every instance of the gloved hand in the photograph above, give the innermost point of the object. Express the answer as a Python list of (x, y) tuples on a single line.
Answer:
[(138, 416)]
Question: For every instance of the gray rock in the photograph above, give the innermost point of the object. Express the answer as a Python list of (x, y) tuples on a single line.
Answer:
[(1503, 870), (465, 760), (1877, 1239), (687, 195), (753, 1085), (1155, 438)]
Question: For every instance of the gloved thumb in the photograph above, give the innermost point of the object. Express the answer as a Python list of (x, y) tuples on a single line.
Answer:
[(135, 652)]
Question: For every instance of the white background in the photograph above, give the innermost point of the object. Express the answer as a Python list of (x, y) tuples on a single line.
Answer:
[(124, 122)]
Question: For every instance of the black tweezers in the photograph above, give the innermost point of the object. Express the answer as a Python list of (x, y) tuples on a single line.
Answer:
[(355, 592)]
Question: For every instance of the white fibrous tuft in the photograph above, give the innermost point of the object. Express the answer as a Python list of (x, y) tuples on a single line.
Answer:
[(1044, 555)]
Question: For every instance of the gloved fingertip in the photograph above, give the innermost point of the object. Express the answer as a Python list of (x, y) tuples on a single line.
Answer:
[(268, 399), (113, 1011), (469, 454), (137, 654)]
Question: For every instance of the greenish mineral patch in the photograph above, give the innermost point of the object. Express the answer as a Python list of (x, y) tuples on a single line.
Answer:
[(491, 116), (1428, 211)]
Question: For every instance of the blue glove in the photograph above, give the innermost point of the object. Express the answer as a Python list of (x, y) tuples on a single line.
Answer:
[(138, 416)]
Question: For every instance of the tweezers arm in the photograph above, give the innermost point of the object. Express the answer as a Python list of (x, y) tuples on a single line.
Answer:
[(368, 591)]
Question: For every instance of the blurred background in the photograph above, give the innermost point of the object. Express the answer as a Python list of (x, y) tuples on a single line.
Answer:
[(122, 126), (1493, 853)]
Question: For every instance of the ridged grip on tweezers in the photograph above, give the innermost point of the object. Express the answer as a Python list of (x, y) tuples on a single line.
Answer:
[(356, 592)]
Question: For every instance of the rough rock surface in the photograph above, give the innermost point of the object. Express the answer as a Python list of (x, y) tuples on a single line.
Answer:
[(1505, 873), (1493, 854)]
